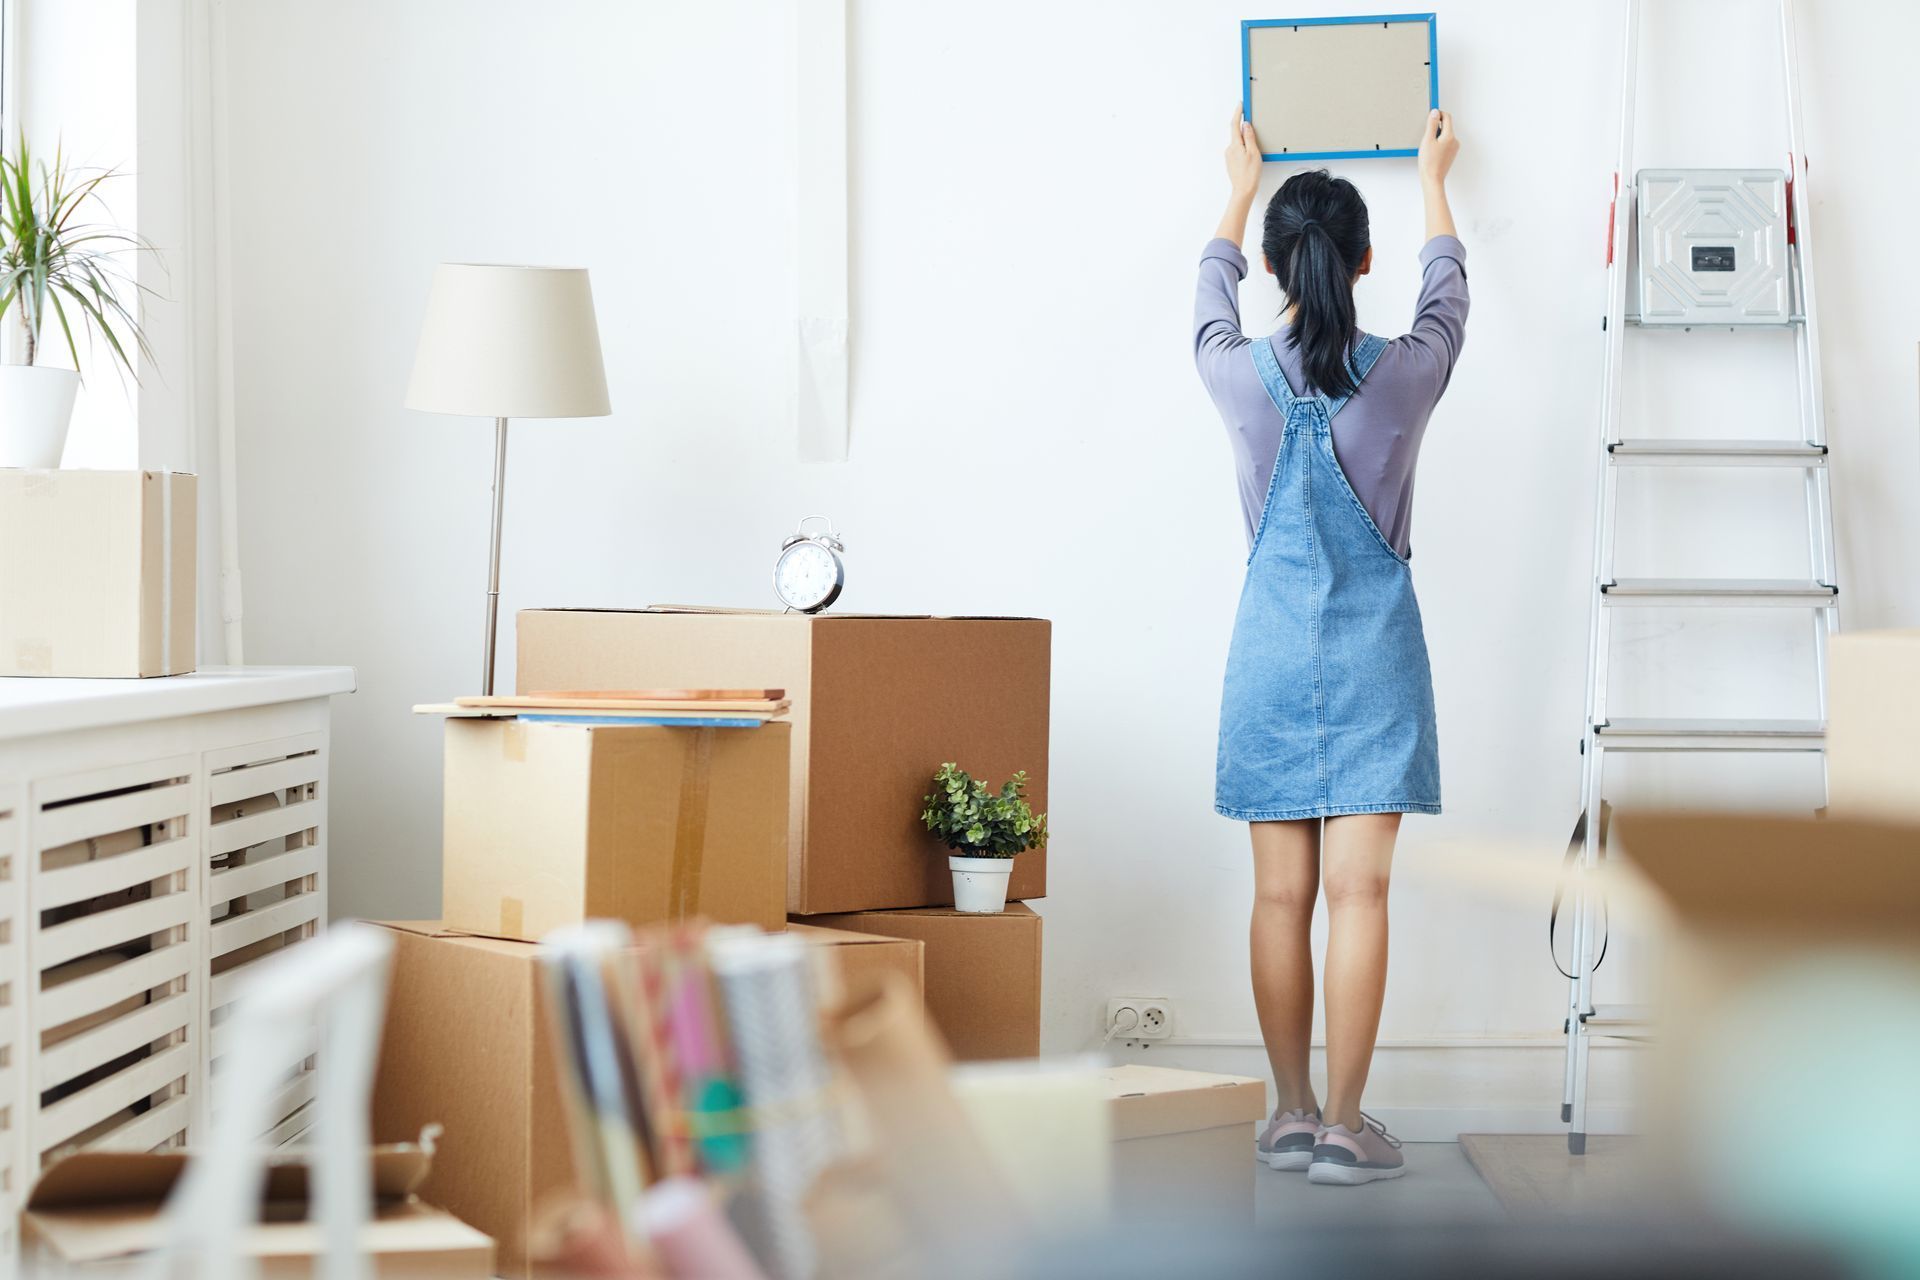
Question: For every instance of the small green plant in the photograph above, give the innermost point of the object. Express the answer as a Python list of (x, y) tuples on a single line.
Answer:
[(977, 822), (52, 261)]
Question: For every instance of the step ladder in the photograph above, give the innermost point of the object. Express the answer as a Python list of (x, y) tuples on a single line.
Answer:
[(1816, 593)]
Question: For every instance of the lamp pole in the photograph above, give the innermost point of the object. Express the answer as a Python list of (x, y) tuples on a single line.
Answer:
[(493, 557)]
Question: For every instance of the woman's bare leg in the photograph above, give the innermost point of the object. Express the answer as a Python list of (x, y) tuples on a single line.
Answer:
[(1286, 876), (1357, 855)]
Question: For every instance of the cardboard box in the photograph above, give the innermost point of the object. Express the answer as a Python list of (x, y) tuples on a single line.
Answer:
[(1788, 951), (549, 824), (863, 958), (1183, 1144), (467, 1046), (97, 573), (100, 1212), (983, 973), (1873, 703), (879, 703)]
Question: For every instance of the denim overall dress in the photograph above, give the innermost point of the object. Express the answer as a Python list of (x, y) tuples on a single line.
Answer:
[(1328, 706)]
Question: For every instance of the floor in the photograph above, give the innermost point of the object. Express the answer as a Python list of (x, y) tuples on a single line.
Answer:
[(1439, 1186), (1533, 1177)]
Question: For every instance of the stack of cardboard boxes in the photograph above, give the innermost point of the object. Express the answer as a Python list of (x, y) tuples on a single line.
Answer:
[(878, 703), (813, 816)]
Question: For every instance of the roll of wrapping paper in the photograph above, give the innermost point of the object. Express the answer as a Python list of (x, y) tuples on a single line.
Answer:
[(766, 986), (599, 1080), (710, 1101), (691, 1237)]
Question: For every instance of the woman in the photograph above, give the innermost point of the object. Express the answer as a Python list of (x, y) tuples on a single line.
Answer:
[(1326, 724)]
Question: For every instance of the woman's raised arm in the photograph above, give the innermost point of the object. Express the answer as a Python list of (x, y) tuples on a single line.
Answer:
[(1438, 146), (1243, 175)]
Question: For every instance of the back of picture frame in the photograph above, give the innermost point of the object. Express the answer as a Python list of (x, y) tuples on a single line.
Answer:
[(1339, 88)]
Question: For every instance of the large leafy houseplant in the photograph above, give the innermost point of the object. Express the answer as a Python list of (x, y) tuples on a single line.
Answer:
[(976, 821), (54, 262)]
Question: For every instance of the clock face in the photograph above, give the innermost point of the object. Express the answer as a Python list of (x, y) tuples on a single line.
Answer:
[(807, 576)]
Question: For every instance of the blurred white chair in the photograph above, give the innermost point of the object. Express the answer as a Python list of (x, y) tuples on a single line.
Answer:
[(335, 985)]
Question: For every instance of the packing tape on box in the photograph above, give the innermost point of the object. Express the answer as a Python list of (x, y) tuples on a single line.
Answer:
[(33, 657), (166, 573), (690, 828)]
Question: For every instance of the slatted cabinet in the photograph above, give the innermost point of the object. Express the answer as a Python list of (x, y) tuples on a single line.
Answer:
[(12, 1171), (113, 880), (265, 851), (157, 839)]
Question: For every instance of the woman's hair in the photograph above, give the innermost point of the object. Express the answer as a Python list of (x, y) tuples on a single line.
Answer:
[(1315, 239)]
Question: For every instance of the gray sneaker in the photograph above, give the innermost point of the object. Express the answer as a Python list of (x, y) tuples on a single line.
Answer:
[(1287, 1141), (1347, 1159)]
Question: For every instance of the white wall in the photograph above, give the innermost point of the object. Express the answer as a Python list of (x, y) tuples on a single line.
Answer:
[(1033, 183)]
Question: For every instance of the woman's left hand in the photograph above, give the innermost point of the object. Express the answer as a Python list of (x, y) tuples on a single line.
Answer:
[(1243, 157)]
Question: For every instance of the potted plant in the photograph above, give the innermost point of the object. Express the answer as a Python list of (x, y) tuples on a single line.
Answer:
[(986, 830), (53, 263)]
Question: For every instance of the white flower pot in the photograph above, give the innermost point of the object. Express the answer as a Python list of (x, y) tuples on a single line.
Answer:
[(980, 884), (36, 405)]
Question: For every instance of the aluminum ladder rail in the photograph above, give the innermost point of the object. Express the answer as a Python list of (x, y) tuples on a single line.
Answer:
[(1817, 593)]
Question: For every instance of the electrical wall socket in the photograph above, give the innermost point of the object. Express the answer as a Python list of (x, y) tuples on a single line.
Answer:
[(1153, 1018)]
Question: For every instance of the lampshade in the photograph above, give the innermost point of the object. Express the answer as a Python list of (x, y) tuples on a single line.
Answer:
[(509, 342)]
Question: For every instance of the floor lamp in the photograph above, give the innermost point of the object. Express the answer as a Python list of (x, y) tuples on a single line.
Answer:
[(506, 342)]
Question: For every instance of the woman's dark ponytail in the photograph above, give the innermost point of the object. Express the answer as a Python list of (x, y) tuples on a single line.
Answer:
[(1315, 238)]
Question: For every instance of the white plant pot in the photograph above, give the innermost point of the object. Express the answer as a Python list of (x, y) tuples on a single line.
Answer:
[(980, 884), (36, 405)]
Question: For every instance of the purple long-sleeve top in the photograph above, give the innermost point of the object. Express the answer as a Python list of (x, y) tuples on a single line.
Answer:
[(1377, 435)]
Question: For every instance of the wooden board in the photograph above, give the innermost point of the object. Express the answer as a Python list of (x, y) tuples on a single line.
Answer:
[(517, 703), (1339, 88), (658, 695), (691, 713)]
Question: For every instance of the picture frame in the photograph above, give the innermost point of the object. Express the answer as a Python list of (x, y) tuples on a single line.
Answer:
[(1339, 88)]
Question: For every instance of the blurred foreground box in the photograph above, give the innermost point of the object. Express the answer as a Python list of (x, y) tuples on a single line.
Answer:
[(101, 1213), (1873, 706), (1183, 1145), (1790, 970), (468, 1045)]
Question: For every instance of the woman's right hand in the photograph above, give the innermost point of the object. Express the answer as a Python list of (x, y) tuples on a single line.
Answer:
[(1438, 146)]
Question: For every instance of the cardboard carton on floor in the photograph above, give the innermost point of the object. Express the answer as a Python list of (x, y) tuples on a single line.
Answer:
[(879, 703), (1873, 703), (98, 1213), (1789, 956), (983, 973), (1183, 1144), (468, 1046), (97, 574), (549, 824)]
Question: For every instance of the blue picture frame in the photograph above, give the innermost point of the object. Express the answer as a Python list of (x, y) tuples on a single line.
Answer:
[(1246, 74)]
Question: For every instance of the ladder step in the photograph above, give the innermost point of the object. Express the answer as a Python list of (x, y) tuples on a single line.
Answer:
[(1619, 1015), (1725, 593), (1711, 735), (1717, 453), (1619, 1022)]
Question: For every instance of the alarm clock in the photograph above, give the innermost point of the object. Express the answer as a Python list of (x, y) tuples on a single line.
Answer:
[(809, 573)]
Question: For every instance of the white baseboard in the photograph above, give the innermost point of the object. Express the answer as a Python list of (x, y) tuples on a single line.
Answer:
[(1446, 1124), (1436, 1090)]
